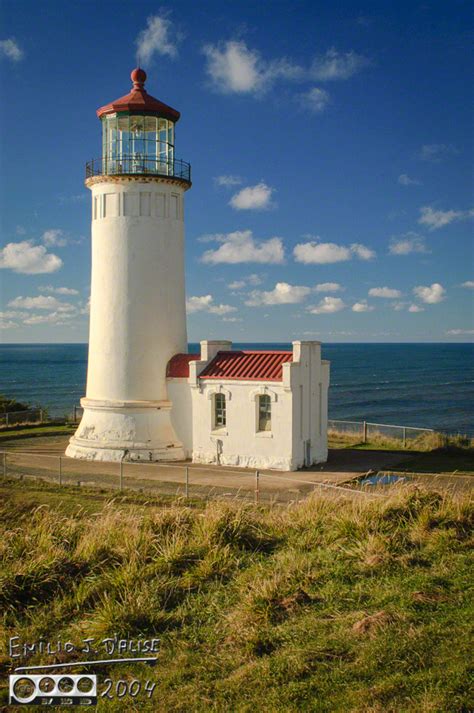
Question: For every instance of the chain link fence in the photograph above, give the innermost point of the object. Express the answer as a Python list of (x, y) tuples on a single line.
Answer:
[(366, 432), (178, 480), (11, 418)]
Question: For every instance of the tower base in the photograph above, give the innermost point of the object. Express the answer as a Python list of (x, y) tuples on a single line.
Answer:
[(125, 430)]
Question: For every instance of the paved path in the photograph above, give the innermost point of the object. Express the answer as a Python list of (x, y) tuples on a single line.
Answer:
[(40, 456)]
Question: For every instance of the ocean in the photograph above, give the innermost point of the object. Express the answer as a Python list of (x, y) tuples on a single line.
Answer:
[(423, 385)]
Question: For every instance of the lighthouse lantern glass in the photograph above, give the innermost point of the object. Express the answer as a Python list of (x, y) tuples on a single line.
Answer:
[(134, 143)]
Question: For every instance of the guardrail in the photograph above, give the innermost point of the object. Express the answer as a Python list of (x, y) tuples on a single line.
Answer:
[(138, 164)]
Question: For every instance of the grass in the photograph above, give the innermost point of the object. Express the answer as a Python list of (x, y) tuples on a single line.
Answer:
[(432, 452), (35, 432), (331, 605)]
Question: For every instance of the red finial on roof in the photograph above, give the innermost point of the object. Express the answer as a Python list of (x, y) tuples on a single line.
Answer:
[(138, 100), (138, 77)]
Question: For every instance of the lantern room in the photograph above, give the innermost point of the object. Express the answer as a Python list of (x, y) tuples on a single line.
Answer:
[(138, 136)]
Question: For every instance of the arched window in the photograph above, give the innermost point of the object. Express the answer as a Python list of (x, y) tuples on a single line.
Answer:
[(219, 411), (264, 413)]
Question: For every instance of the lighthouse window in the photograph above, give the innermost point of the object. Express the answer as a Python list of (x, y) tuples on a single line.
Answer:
[(219, 411), (264, 413), (137, 144)]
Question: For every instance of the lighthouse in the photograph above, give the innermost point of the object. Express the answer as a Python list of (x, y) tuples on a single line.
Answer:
[(137, 312)]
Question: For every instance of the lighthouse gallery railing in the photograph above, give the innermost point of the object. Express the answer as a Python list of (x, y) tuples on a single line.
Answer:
[(136, 164)]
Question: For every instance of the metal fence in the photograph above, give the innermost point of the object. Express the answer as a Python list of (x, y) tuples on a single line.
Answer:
[(364, 431), (178, 480), (139, 164), (10, 418)]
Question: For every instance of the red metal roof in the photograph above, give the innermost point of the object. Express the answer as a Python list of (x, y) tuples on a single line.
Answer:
[(178, 366), (138, 100), (247, 365)]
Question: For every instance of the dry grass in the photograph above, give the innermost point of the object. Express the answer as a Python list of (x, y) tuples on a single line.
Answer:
[(331, 605)]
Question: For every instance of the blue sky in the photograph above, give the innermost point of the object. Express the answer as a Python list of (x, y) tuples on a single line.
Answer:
[(331, 149)]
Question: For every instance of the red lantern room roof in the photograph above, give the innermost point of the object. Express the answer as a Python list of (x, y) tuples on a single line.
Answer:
[(139, 101)]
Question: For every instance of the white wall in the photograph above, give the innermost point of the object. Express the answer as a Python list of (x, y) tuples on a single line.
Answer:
[(240, 442), (138, 314), (138, 319)]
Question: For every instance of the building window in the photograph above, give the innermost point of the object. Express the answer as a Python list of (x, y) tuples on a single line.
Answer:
[(264, 413), (219, 411)]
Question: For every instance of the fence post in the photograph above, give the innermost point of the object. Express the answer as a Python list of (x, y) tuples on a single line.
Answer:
[(6, 419), (257, 491), (404, 437), (75, 414), (41, 415), (4, 465), (364, 439), (186, 486), (121, 475), (60, 472)]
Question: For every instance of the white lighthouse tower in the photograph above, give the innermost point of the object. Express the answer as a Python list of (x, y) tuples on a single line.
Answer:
[(138, 317)]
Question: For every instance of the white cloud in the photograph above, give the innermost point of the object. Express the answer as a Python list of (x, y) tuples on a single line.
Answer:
[(458, 332), (431, 294), (320, 253), (387, 292), (198, 304), (157, 38), (54, 238), (469, 284), (232, 319), (205, 303), (10, 49), (29, 259), (41, 302), (249, 280), (240, 246), (328, 305), (13, 314), (328, 287), (315, 99), (56, 318), (222, 309), (362, 252), (235, 68), (58, 290), (335, 65), (405, 180), (435, 219), (325, 253), (437, 152), (362, 306), (399, 306), (416, 308), (282, 294), (252, 197), (254, 279), (7, 324), (406, 244), (227, 181)]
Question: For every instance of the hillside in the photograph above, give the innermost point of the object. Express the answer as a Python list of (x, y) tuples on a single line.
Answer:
[(331, 605)]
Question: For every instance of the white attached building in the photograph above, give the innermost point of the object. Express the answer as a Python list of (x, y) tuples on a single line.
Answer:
[(147, 398), (263, 409)]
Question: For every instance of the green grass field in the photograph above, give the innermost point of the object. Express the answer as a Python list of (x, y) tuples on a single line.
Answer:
[(331, 605)]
